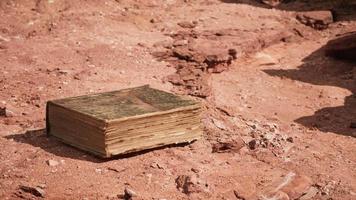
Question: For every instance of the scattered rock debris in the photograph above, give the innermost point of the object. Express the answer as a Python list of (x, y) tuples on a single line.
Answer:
[(197, 54)]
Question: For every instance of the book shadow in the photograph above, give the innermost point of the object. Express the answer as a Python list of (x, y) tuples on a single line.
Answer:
[(327, 67), (39, 138), (343, 10)]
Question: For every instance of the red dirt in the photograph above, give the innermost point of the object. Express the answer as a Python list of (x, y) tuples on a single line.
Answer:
[(277, 110)]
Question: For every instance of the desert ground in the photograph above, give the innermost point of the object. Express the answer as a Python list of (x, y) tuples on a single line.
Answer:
[(279, 113)]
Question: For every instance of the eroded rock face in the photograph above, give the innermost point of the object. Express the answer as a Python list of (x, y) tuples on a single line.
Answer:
[(316, 19), (196, 55)]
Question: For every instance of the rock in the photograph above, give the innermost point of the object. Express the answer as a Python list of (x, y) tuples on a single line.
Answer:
[(3, 111), (186, 24), (129, 193), (272, 3), (52, 163), (6, 112), (265, 59), (190, 184), (228, 146), (316, 19), (42, 186), (253, 144), (219, 124), (310, 194), (239, 196), (290, 139), (36, 191), (297, 187)]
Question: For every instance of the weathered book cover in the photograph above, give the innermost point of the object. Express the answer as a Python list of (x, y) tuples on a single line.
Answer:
[(93, 122)]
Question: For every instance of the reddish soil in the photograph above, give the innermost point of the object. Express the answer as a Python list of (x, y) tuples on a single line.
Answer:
[(279, 114)]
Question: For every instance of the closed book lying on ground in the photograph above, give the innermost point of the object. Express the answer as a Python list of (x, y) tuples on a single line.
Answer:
[(124, 121)]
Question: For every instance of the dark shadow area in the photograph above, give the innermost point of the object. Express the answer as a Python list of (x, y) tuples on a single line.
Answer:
[(39, 138), (342, 9), (323, 68)]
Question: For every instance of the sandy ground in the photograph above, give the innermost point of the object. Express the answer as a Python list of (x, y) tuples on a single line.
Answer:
[(277, 113)]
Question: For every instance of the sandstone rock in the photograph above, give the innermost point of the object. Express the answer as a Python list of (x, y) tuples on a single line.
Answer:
[(316, 19), (190, 184), (272, 3), (186, 24), (310, 194), (36, 191), (52, 163), (219, 124), (297, 187), (3, 111), (253, 144), (228, 146), (129, 193), (6, 112)]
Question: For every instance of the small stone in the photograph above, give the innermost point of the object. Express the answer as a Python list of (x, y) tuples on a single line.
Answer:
[(219, 124), (190, 184), (290, 139), (195, 170), (36, 191), (272, 3), (239, 196), (42, 186), (129, 193), (186, 24), (316, 19), (310, 194), (253, 144), (52, 163), (228, 146), (3, 111), (297, 187)]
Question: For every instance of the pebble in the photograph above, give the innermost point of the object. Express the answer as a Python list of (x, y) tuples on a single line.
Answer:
[(219, 124), (52, 163), (2, 111), (36, 191), (290, 139), (129, 193)]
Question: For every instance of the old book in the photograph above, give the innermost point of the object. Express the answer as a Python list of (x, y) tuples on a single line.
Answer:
[(124, 121)]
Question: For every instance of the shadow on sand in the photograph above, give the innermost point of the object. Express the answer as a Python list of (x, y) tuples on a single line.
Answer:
[(342, 9), (320, 69), (39, 138)]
